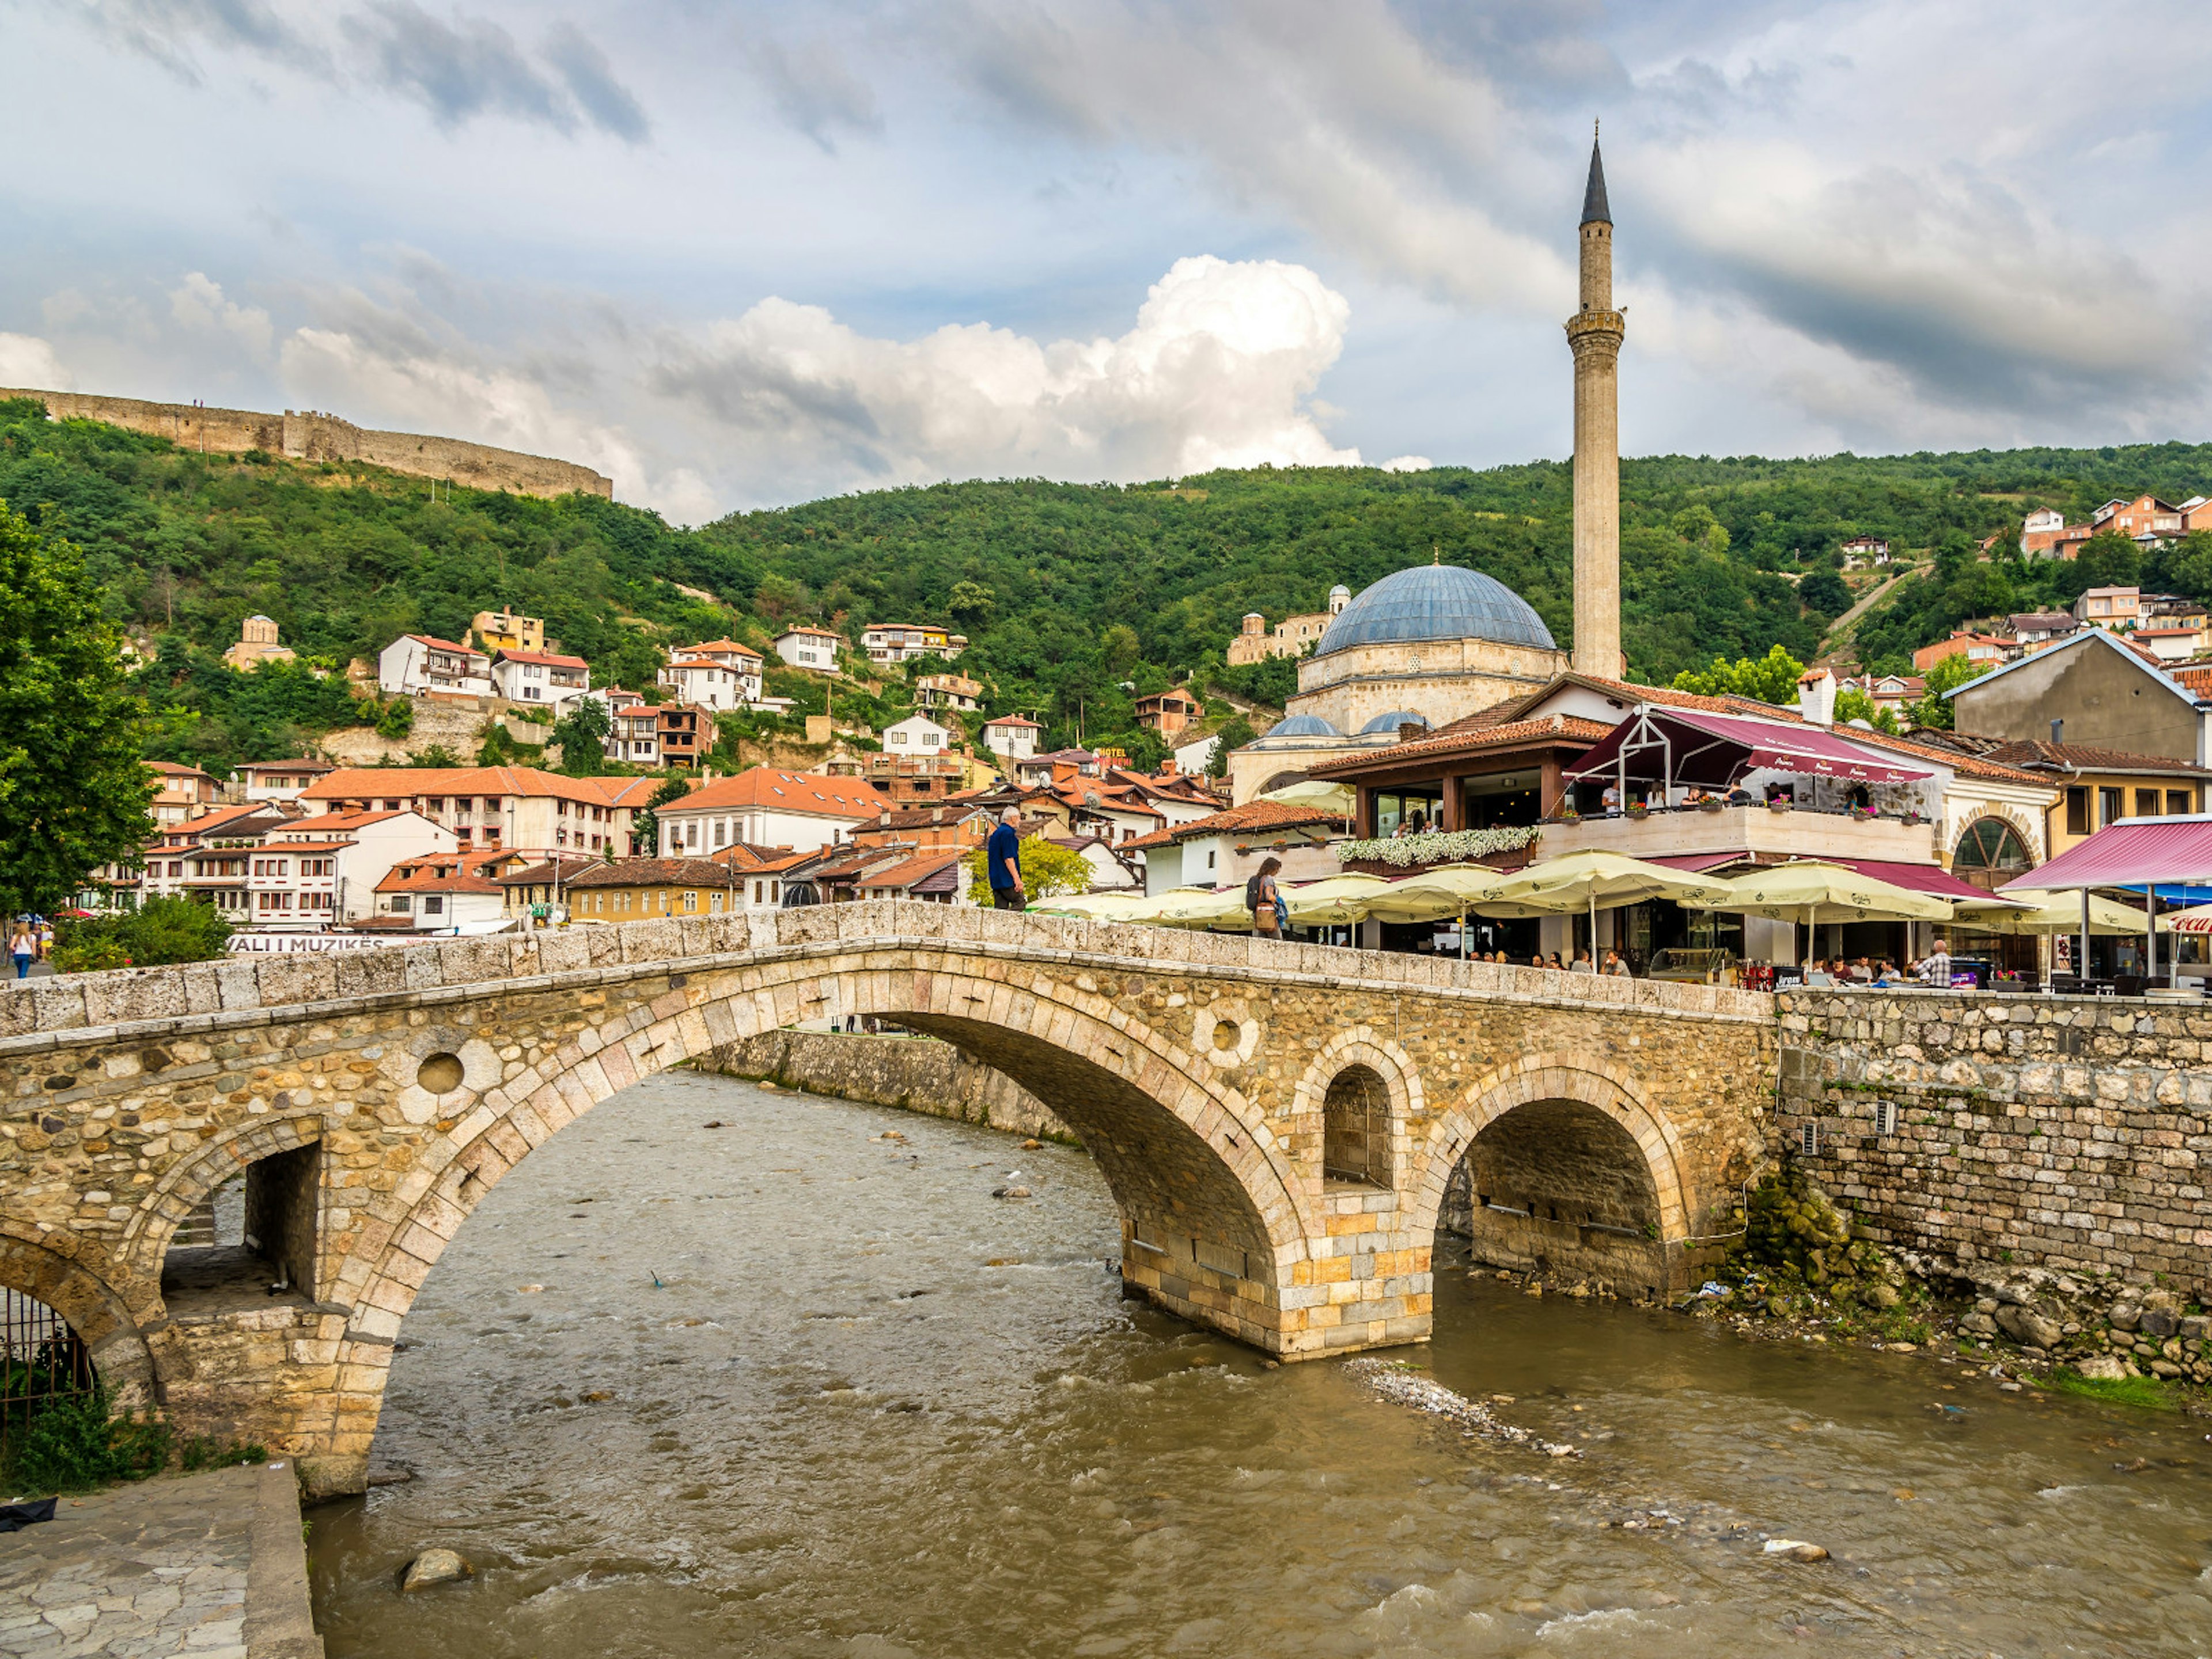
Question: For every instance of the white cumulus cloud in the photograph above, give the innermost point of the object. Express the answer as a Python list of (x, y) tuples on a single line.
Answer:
[(28, 362), (198, 303), (1219, 370)]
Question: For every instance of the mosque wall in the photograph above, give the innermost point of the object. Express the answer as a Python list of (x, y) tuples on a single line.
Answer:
[(1444, 680)]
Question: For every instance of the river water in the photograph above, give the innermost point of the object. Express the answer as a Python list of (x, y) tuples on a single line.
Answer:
[(868, 1410)]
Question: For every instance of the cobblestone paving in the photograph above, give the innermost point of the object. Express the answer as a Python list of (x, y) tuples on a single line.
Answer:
[(157, 1569)]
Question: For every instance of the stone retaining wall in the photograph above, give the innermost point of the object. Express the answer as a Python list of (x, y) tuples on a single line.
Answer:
[(916, 1074), (2071, 1133)]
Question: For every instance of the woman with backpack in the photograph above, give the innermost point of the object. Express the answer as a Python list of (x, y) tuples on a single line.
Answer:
[(1264, 899)]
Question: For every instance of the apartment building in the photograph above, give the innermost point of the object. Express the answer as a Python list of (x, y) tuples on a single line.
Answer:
[(416, 665), (1011, 737), (515, 808), (2115, 610), (540, 676), (719, 674), (894, 642), (764, 806), (508, 631), (446, 892), (955, 692), (810, 647)]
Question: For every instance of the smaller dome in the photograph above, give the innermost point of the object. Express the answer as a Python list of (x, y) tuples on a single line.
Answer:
[(1390, 722), (1303, 725), (1339, 591)]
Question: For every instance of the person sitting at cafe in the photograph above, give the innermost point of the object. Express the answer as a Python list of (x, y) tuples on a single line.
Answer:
[(1583, 963), (1615, 966), (1817, 974), (1885, 974), (1611, 800), (1739, 796)]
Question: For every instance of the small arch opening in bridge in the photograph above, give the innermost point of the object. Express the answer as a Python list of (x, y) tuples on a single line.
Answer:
[(43, 1361), (251, 1241), (1355, 1144), (1557, 1187)]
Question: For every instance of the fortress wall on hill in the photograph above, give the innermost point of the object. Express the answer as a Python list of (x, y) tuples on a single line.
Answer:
[(313, 437)]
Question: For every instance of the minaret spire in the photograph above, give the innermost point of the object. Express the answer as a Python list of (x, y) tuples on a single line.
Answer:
[(1594, 333)]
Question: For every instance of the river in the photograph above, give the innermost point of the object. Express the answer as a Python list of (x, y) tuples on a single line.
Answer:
[(868, 1410)]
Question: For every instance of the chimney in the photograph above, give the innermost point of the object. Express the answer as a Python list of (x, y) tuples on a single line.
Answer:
[(1816, 696), (2058, 731)]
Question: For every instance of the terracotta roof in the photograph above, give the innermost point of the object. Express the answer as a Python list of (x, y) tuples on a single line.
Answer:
[(725, 646), (324, 823), (171, 769), (288, 766), (926, 817), (653, 873), (437, 644), (445, 873), (1154, 838), (759, 860), (823, 632), (412, 782), (548, 659), (1556, 728), (914, 869), (544, 872), (1253, 815), (813, 792), (2086, 758), (1015, 720)]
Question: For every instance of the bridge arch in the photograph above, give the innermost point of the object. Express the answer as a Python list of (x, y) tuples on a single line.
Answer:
[(185, 1186), (1211, 1211), (1354, 1050), (1574, 1110), (70, 1277)]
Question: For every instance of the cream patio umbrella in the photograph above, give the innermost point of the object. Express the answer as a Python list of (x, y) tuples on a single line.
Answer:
[(1092, 907), (2044, 912), (1813, 891), (1450, 890), (1592, 881), (1333, 900)]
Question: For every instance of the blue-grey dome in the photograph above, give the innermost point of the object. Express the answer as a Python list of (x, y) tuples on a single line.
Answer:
[(1436, 602), (1390, 722), (1303, 725)]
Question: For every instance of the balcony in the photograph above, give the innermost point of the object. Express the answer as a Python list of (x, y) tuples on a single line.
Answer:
[(1758, 832)]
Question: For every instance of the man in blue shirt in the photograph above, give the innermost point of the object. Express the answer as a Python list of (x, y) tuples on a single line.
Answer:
[(1002, 862)]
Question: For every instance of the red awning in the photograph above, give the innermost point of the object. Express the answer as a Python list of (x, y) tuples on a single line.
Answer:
[(1916, 877), (2133, 852), (1685, 745)]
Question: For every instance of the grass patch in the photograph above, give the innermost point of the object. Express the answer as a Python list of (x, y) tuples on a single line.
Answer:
[(204, 1452), (2145, 1393)]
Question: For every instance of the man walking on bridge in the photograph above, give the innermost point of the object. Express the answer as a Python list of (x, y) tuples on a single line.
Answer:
[(1002, 860)]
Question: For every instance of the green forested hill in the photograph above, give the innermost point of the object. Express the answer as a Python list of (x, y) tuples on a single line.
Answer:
[(1067, 592)]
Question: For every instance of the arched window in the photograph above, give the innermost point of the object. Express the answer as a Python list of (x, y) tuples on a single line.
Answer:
[(1990, 855), (1356, 1127)]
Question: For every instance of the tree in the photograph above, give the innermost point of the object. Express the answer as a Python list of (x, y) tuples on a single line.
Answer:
[(1235, 733), (160, 931), (1932, 708), (972, 603), (74, 788), (582, 733), (396, 718), (1824, 591), (1853, 704), (1048, 872), (644, 828), (1771, 678)]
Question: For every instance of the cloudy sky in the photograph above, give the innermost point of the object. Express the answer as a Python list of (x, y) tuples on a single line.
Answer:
[(745, 254)]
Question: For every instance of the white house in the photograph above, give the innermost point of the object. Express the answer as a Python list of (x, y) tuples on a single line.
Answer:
[(543, 677), (633, 726), (1108, 872), (893, 642), (445, 893), (324, 869), (810, 647), (280, 780), (720, 674), (416, 663), (917, 734), (1011, 736), (1195, 758), (762, 807)]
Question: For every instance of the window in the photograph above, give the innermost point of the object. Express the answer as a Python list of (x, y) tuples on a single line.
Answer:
[(1809, 1141), (1885, 1117), (2178, 803), (2146, 803), (1356, 1127), (691, 901), (1990, 855), (433, 904), (2108, 805)]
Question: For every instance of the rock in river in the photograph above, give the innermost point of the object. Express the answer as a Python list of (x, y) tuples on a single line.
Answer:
[(2103, 1367), (2025, 1325), (1794, 1549), (435, 1567)]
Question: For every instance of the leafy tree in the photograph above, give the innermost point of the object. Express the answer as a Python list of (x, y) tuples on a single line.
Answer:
[(1931, 708), (971, 602), (2185, 567), (644, 828), (160, 931), (396, 718), (582, 733), (437, 755), (1048, 872), (1824, 591), (1771, 678), (1235, 733), (1853, 704), (73, 787)]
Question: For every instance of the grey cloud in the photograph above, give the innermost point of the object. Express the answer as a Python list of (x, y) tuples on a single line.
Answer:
[(455, 70), (814, 91), (604, 100), (167, 30)]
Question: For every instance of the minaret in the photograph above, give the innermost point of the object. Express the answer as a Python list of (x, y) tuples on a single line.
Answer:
[(1594, 333)]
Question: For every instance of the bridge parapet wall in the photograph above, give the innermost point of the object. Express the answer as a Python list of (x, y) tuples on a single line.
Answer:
[(2068, 1133)]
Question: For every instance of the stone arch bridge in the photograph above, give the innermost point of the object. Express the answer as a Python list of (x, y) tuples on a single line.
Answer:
[(1283, 1125)]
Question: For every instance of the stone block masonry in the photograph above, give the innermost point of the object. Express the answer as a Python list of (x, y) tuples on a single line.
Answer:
[(2073, 1133), (372, 1100), (304, 436), (916, 1074)]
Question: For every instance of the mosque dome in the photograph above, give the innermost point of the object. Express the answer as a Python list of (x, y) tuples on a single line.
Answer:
[(1388, 724), (1303, 725), (1436, 602)]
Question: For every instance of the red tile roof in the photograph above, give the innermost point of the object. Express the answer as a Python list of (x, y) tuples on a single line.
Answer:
[(1459, 738), (1252, 815), (416, 782), (2085, 757), (813, 792), (913, 871), (548, 659), (655, 872)]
